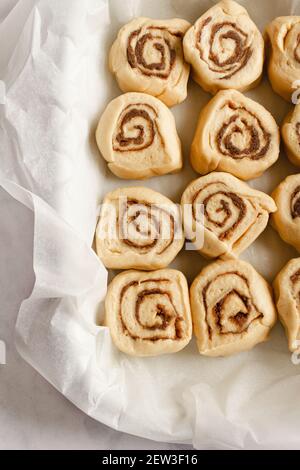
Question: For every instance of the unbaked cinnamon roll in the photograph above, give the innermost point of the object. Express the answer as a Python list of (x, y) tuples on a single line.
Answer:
[(283, 41), (235, 134), (286, 220), (147, 56), (225, 49), (287, 293), (137, 136), (226, 212), (149, 313), (232, 308), (290, 132), (138, 228)]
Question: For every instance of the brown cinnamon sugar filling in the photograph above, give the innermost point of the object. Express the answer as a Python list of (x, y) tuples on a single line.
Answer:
[(224, 208), (164, 314), (240, 55), (238, 319), (141, 141), (155, 216), (161, 44), (255, 149), (295, 203)]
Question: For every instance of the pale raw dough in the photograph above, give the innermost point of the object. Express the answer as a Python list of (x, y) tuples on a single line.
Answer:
[(147, 56), (235, 134), (287, 218), (283, 38), (138, 228), (234, 214), (149, 313), (137, 136), (232, 308), (225, 49), (287, 293), (290, 132)]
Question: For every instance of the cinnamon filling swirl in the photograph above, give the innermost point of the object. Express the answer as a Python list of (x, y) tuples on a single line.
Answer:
[(154, 312), (218, 209), (136, 128), (243, 135), (227, 64), (152, 53), (295, 203), (234, 312), (144, 226)]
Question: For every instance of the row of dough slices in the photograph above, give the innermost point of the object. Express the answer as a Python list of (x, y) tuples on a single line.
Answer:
[(220, 215), (224, 48), (137, 136), (230, 308)]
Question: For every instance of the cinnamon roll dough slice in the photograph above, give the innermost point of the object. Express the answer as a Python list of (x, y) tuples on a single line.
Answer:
[(149, 313), (283, 39), (224, 214), (232, 308), (290, 132), (225, 49), (137, 136), (147, 56), (235, 134), (287, 218), (138, 228), (287, 293)]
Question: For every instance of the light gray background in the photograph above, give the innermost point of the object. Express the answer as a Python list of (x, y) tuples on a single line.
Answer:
[(33, 415)]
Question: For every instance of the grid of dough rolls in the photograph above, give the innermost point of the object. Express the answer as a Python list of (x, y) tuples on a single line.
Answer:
[(150, 309)]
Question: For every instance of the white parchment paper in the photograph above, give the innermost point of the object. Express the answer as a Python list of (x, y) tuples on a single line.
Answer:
[(53, 61)]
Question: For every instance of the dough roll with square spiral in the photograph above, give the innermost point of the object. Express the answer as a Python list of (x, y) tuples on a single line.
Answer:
[(149, 313), (232, 308)]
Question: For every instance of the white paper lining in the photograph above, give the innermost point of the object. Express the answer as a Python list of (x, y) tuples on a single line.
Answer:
[(57, 85)]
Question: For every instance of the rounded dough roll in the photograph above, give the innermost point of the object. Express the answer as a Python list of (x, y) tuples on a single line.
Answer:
[(137, 136), (233, 214), (287, 294), (147, 56), (286, 220), (283, 43), (290, 132), (139, 229), (225, 49), (232, 308), (149, 313), (235, 134)]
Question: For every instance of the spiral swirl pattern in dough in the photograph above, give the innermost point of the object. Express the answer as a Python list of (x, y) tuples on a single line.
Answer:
[(235, 134), (138, 228), (283, 41), (137, 136), (232, 308), (287, 218), (147, 56), (234, 214), (149, 313), (225, 48), (290, 132), (287, 293)]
